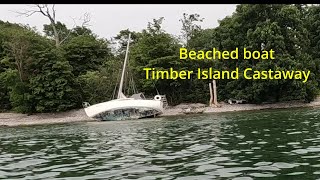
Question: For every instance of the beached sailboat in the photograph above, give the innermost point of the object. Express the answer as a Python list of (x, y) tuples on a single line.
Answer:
[(122, 108)]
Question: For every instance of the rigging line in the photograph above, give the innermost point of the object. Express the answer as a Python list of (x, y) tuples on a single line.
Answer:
[(156, 88), (134, 87), (127, 79), (114, 91), (130, 84), (127, 83), (115, 87)]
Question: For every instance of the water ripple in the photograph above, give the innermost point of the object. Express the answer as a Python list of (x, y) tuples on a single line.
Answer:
[(241, 146)]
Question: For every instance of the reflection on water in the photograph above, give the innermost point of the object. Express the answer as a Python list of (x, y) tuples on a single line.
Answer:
[(277, 144)]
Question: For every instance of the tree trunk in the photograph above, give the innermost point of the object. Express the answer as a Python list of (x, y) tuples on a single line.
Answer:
[(211, 96), (56, 34), (215, 98)]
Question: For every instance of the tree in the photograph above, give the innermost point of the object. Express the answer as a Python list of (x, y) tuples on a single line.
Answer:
[(4, 93), (86, 53), (81, 31), (122, 39), (62, 34), (50, 13), (157, 49), (313, 25), (99, 86), (19, 44), (278, 27), (55, 29), (36, 76), (53, 86), (189, 26)]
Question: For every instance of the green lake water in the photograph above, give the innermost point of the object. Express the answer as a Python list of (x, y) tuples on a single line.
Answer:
[(271, 144)]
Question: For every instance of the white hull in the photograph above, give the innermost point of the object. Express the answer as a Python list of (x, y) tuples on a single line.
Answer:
[(125, 108)]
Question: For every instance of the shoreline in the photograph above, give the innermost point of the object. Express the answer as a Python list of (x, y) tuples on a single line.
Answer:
[(225, 107), (75, 116)]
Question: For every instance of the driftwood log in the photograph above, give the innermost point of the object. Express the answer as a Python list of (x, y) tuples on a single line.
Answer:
[(213, 95)]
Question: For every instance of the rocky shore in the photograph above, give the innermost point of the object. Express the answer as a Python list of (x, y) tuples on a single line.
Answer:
[(16, 119)]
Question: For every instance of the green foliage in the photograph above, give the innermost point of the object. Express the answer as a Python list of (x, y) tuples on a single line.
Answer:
[(80, 31), (189, 26), (122, 39), (61, 28), (53, 84), (37, 76), (99, 86), (154, 48), (17, 91), (19, 45), (313, 26), (4, 93), (282, 28), (278, 27), (86, 53)]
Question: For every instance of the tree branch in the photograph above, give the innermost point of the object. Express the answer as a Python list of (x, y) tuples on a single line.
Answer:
[(86, 19), (53, 12), (74, 24)]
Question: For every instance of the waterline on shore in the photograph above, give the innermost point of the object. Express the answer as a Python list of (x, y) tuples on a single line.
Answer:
[(73, 116)]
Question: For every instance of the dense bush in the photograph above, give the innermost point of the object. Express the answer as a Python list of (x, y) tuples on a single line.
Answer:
[(38, 76)]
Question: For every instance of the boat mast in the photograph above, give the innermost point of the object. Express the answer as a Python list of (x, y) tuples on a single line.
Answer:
[(124, 69)]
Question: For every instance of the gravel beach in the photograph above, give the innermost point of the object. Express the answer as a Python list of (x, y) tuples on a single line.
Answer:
[(17, 119)]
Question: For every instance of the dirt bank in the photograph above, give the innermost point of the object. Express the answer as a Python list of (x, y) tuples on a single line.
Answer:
[(244, 107), (16, 119)]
